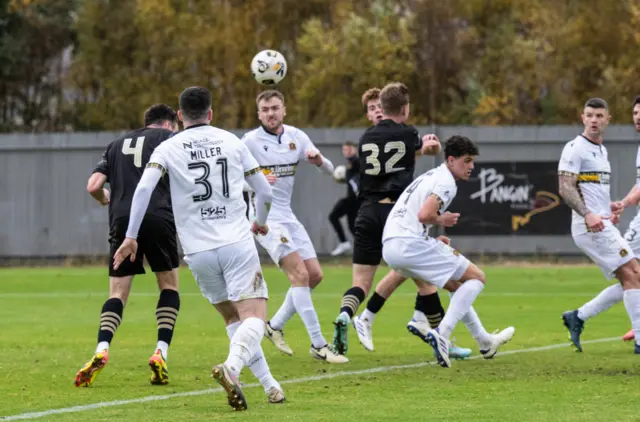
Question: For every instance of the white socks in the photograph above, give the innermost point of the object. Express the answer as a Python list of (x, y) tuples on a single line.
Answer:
[(474, 325), (419, 316), (258, 363), (164, 349), (284, 314), (459, 306), (605, 300), (244, 344), (632, 304), (368, 316), (103, 345), (301, 297)]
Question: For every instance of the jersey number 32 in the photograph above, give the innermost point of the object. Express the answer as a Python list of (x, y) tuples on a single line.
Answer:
[(373, 159)]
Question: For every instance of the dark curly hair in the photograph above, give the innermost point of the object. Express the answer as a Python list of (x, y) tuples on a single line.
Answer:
[(457, 146)]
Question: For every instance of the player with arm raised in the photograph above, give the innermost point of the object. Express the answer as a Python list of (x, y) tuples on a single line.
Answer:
[(206, 168), (408, 248), (279, 148), (387, 161), (121, 166), (584, 175)]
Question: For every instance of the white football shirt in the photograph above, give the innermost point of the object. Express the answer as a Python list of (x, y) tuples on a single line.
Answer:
[(403, 218), (590, 163), (206, 168), (279, 155)]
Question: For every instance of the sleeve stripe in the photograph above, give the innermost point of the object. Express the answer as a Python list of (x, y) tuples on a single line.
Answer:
[(156, 166), (252, 171), (440, 201)]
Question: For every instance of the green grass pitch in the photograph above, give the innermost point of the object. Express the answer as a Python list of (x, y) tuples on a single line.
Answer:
[(48, 328)]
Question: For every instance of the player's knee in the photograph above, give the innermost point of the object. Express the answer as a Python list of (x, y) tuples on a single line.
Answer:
[(167, 280), (298, 276), (315, 277), (474, 273)]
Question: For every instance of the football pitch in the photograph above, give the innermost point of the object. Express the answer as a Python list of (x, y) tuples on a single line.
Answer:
[(49, 319)]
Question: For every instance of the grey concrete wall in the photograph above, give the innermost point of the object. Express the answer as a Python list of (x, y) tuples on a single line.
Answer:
[(46, 211)]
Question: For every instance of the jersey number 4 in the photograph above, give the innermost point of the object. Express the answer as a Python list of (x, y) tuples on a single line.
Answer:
[(203, 180), (374, 162), (136, 151)]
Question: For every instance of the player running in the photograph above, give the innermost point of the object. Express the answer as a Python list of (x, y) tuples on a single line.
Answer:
[(584, 175), (207, 167), (279, 148), (121, 166)]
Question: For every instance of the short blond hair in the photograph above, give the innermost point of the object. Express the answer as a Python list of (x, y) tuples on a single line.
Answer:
[(370, 94), (269, 94), (393, 97)]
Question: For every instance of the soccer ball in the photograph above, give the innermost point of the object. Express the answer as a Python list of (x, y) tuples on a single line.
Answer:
[(340, 173), (268, 67)]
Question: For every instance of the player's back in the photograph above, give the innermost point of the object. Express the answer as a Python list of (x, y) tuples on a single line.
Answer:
[(387, 159), (124, 163), (403, 220), (207, 167)]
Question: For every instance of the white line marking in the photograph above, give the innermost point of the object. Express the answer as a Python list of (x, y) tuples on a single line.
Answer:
[(103, 294), (82, 408)]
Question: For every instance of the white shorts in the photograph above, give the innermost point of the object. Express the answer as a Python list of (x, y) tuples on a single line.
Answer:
[(632, 235), (231, 272), (428, 259), (607, 249), (284, 238)]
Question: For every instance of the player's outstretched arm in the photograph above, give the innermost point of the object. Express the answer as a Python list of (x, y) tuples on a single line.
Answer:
[(317, 159), (264, 195), (632, 198), (95, 187), (568, 189)]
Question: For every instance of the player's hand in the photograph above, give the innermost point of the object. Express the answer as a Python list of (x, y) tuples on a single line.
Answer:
[(107, 197), (448, 219), (615, 218), (314, 157), (617, 207), (594, 222), (128, 249), (430, 145), (258, 229), (444, 239), (271, 179)]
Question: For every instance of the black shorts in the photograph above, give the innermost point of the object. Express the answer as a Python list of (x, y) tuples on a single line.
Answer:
[(367, 247), (156, 242)]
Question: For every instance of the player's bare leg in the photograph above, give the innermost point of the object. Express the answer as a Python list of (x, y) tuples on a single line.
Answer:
[(629, 336), (362, 281), (166, 316), (110, 319), (258, 363)]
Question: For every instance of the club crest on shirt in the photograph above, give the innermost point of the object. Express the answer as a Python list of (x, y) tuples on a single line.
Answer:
[(292, 146)]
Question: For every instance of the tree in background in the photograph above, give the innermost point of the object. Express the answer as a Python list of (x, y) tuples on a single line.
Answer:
[(484, 62), (34, 35)]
